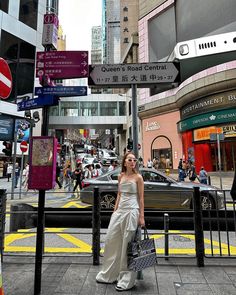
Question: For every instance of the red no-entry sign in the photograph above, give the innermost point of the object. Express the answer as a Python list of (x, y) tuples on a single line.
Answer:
[(5, 79), (24, 146), (58, 148)]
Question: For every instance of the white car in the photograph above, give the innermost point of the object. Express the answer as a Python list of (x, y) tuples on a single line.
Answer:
[(106, 156)]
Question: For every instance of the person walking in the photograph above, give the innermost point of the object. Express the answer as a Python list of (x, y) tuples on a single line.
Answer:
[(149, 163), (128, 214), (203, 176), (192, 172), (9, 171), (58, 175), (78, 176), (112, 166), (97, 171), (17, 174)]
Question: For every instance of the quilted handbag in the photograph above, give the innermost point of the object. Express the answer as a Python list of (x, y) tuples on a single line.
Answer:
[(141, 253)]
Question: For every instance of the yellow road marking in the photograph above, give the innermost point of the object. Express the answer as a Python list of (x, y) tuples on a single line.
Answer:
[(74, 204)]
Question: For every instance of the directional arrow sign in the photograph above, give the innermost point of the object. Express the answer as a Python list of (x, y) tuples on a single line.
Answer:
[(37, 102), (62, 91), (62, 64), (143, 74)]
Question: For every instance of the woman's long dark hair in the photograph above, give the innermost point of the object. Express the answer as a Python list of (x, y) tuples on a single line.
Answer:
[(123, 167)]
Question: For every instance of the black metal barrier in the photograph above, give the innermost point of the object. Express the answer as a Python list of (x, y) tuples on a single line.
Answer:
[(3, 200), (212, 221), (24, 216)]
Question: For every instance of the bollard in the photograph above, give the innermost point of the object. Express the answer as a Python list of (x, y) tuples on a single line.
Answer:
[(209, 180), (166, 229), (96, 222), (198, 226)]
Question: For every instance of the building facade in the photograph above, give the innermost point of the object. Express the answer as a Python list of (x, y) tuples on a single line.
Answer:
[(183, 122), (21, 28)]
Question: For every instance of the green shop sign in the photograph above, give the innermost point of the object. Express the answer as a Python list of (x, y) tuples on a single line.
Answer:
[(213, 118)]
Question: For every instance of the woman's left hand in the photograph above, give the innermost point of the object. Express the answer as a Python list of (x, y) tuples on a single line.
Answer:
[(141, 221)]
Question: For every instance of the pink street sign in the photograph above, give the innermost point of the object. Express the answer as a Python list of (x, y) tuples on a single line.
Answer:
[(62, 64)]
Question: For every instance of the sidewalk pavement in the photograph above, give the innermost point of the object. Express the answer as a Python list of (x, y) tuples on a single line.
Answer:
[(76, 275)]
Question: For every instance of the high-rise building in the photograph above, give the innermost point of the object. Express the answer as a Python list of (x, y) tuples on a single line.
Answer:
[(129, 11), (111, 31), (96, 48)]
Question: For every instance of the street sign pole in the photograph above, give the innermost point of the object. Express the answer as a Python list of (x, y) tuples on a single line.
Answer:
[(41, 218), (21, 172), (219, 157), (14, 164), (134, 120)]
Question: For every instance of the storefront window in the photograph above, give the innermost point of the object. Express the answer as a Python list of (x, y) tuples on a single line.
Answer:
[(162, 152)]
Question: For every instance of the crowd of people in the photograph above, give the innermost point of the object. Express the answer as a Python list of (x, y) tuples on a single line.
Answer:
[(71, 180), (186, 169)]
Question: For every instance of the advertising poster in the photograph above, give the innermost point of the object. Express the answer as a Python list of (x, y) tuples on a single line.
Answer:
[(42, 170), (6, 128), (22, 129)]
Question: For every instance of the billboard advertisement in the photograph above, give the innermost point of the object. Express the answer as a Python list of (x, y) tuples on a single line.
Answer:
[(22, 129), (6, 128), (42, 169)]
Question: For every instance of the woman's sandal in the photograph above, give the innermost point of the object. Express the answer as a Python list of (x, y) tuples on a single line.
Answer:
[(120, 289)]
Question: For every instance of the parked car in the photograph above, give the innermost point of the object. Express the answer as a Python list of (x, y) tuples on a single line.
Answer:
[(160, 191), (106, 156)]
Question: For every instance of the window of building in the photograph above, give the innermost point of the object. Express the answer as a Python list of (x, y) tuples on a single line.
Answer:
[(70, 109), (108, 108), (4, 4), (126, 40), (20, 56), (122, 108), (125, 18), (126, 29), (88, 108), (125, 8), (29, 13)]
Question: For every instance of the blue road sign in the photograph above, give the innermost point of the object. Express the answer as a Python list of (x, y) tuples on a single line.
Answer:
[(38, 102), (61, 90)]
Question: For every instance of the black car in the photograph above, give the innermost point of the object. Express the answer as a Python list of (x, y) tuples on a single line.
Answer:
[(160, 191)]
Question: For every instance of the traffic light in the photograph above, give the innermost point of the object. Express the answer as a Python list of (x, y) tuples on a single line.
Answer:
[(8, 148), (130, 144)]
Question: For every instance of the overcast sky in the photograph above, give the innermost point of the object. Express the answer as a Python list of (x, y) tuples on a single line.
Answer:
[(77, 17)]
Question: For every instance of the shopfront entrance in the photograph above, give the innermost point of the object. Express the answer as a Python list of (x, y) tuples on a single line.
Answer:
[(161, 150), (228, 156)]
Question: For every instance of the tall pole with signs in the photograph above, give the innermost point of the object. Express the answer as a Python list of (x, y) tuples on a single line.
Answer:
[(51, 65), (50, 31), (134, 120)]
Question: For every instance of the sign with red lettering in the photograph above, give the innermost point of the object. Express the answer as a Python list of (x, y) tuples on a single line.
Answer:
[(50, 30)]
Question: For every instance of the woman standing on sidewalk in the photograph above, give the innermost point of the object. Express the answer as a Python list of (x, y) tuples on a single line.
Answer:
[(128, 214)]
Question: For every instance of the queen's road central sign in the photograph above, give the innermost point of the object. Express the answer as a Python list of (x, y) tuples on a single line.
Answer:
[(123, 75)]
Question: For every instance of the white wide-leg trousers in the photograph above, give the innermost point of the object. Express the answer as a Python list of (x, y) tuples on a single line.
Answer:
[(121, 230)]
